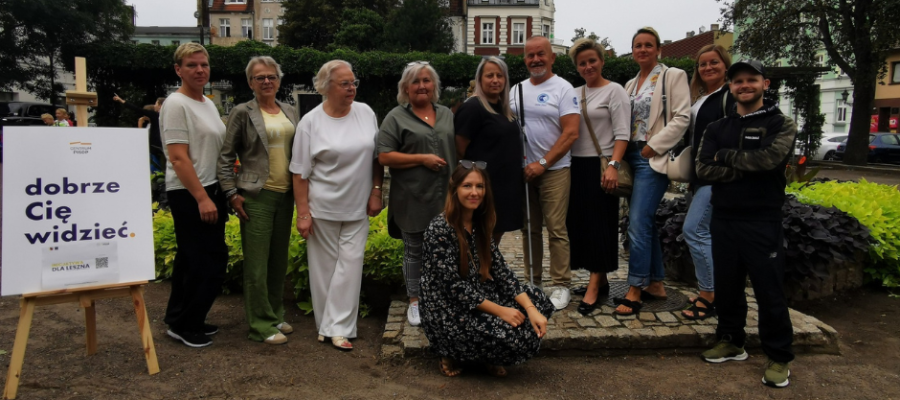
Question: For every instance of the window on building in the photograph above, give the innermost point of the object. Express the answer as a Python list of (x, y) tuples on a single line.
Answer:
[(820, 60), (895, 72), (235, 1), (843, 112), (224, 27), (518, 33), (247, 28), (154, 42), (268, 29), (279, 22), (545, 31), (176, 42), (487, 33)]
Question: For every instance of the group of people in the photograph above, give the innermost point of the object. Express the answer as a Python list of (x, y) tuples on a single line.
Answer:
[(62, 118), (459, 183)]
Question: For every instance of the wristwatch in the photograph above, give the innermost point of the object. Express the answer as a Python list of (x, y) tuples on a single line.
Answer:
[(615, 164), (543, 163)]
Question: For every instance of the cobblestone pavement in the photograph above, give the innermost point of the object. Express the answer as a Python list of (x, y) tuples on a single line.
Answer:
[(570, 333)]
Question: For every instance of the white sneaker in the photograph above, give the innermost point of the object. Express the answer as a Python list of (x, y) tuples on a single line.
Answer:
[(560, 297), (412, 314)]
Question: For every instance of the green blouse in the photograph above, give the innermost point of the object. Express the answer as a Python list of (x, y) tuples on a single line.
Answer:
[(418, 193)]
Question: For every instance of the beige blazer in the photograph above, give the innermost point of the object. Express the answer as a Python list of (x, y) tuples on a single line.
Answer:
[(245, 138), (663, 136)]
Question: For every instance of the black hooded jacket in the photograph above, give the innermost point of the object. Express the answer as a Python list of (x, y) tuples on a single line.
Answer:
[(745, 158)]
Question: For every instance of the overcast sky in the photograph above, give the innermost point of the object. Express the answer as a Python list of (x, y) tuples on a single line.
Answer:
[(615, 19)]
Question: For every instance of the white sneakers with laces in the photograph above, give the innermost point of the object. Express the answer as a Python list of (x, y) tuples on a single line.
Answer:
[(560, 297), (412, 314)]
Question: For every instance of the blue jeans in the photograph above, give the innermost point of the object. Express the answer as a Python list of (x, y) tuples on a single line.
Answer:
[(698, 239), (645, 254)]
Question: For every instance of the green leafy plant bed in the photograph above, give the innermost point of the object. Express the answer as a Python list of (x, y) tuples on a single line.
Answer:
[(877, 207), (824, 247), (382, 260)]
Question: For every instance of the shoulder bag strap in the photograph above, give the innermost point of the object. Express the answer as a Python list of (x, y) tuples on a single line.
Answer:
[(724, 102), (665, 99), (587, 121)]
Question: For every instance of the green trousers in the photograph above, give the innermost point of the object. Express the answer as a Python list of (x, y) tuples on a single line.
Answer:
[(265, 238)]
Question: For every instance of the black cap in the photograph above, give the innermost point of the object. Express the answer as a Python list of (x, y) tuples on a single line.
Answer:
[(752, 65)]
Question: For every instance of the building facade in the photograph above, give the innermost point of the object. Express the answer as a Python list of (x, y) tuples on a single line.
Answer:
[(231, 21), (886, 110), (692, 43), (494, 27), (165, 35)]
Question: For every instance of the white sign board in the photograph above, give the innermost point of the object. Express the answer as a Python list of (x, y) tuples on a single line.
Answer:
[(76, 208)]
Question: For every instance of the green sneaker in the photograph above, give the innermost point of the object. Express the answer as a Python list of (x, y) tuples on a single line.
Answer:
[(777, 374), (724, 351)]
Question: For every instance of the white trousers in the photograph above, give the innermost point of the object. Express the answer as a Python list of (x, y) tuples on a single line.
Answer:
[(335, 252)]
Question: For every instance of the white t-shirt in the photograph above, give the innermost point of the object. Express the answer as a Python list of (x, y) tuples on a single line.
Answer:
[(183, 120), (335, 155), (544, 105), (610, 112)]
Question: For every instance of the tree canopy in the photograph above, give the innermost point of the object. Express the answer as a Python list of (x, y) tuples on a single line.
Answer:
[(364, 25), (856, 35), (34, 32)]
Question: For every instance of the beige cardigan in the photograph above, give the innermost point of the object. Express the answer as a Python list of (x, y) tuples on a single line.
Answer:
[(663, 136)]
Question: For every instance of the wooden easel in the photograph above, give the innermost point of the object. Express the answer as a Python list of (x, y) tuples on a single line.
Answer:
[(85, 296)]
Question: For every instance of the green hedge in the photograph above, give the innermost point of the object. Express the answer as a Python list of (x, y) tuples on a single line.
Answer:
[(876, 206), (144, 69), (382, 261)]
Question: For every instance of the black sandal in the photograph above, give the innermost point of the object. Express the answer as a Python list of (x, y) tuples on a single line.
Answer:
[(635, 306), (586, 309), (708, 311)]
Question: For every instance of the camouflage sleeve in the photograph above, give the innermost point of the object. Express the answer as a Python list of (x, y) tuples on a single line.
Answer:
[(708, 168), (772, 152)]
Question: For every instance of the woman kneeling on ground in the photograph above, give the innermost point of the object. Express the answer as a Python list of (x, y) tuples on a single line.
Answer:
[(473, 307)]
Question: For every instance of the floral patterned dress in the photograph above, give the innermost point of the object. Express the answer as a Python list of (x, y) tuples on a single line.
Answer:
[(453, 325)]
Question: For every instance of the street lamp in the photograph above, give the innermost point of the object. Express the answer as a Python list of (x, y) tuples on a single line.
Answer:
[(845, 96)]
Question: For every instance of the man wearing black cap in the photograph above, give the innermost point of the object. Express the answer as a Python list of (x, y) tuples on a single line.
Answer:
[(745, 154)]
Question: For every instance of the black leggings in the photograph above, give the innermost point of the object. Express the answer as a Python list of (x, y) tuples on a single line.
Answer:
[(200, 262)]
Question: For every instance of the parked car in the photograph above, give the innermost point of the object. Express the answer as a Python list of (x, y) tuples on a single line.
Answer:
[(21, 113), (883, 148), (827, 146)]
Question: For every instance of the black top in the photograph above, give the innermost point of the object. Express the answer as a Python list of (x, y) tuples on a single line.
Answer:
[(496, 140), (155, 140), (712, 110), (745, 156)]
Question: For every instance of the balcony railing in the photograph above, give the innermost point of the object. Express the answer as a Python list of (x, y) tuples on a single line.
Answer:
[(505, 2)]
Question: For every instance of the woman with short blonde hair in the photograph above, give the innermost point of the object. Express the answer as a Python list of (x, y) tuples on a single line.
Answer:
[(337, 183), (416, 142)]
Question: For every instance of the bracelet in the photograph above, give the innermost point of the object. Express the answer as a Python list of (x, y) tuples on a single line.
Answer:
[(531, 306), (304, 217)]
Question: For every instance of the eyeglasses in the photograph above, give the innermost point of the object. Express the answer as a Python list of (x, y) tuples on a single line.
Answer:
[(262, 78), (347, 84), (418, 63), (467, 164)]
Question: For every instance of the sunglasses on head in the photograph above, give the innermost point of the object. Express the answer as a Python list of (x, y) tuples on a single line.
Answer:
[(467, 164)]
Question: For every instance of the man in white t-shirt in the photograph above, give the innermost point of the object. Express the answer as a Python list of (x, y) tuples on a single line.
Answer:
[(549, 108)]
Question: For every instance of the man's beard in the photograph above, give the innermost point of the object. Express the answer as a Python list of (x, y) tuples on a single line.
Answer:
[(538, 72), (750, 102)]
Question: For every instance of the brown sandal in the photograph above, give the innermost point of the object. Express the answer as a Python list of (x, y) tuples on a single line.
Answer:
[(448, 367)]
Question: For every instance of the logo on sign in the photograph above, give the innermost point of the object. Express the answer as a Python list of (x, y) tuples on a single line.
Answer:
[(80, 147), (543, 98)]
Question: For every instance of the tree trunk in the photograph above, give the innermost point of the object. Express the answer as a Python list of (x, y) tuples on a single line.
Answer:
[(857, 150), (52, 82)]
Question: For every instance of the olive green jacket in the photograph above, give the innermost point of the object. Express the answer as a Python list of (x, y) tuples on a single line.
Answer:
[(245, 139)]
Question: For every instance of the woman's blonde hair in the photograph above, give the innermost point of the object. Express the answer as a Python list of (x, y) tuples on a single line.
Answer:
[(648, 30), (187, 49), (409, 74), (697, 86), (323, 77), (586, 44), (64, 112), (45, 116), (265, 60), (504, 94)]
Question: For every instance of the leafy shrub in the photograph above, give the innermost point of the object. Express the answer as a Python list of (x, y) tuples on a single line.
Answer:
[(382, 260), (877, 207), (814, 237)]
